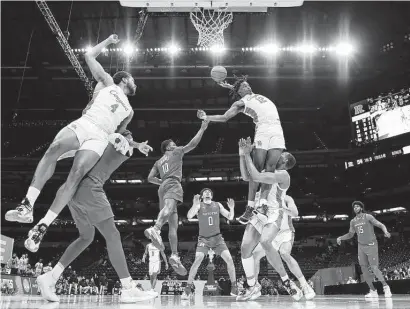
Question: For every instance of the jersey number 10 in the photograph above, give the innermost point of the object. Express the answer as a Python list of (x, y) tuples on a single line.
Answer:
[(165, 168)]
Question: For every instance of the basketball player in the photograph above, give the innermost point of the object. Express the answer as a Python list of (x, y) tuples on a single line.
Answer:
[(210, 237), (38, 268), (269, 139), (283, 244), (154, 263), (90, 208), (271, 217), (363, 225), (109, 111), (170, 192)]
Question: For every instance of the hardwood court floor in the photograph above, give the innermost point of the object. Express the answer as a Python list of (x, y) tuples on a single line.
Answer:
[(200, 302)]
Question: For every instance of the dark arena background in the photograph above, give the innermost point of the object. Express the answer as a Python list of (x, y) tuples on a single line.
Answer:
[(339, 75)]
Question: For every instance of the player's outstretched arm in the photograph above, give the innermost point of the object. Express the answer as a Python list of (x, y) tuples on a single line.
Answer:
[(152, 176), (228, 214), (123, 125), (235, 109), (291, 209), (242, 163), (145, 254), (197, 138), (95, 67), (348, 235), (380, 225), (195, 207)]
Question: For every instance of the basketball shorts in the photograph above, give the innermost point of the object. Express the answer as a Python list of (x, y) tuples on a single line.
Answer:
[(283, 237), (267, 139), (89, 135), (368, 255), (216, 243), (154, 267), (89, 206), (170, 189)]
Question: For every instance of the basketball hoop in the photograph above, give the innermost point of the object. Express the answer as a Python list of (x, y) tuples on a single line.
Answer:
[(210, 25)]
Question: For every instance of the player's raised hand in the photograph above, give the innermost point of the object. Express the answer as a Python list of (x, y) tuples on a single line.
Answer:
[(204, 124), (241, 145), (201, 114), (231, 203), (387, 234), (339, 241), (114, 39), (197, 199), (225, 85), (144, 148)]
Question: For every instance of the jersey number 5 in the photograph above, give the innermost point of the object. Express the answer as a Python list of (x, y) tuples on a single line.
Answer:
[(114, 108), (165, 168), (210, 221), (360, 228)]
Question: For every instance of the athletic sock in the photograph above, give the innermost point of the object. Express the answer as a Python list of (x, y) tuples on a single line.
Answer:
[(126, 283), (57, 271), (32, 195), (249, 268), (284, 278), (302, 281), (48, 218)]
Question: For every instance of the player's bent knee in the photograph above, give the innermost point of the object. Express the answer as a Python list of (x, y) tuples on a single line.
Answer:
[(87, 235)]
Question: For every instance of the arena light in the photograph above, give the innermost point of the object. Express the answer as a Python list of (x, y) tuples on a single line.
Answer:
[(309, 217), (269, 48), (341, 216), (306, 48), (173, 49), (344, 49), (193, 220), (217, 49), (134, 181), (215, 178), (128, 49), (200, 178), (147, 220)]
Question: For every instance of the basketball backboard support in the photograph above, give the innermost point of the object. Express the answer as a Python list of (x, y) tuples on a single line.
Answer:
[(230, 5)]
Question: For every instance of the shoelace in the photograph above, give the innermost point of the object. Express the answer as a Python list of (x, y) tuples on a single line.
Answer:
[(24, 205)]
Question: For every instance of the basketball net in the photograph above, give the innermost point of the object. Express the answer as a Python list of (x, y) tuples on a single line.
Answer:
[(210, 25)]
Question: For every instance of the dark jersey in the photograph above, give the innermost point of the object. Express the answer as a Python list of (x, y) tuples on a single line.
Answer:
[(363, 226), (170, 165), (102, 170), (208, 219)]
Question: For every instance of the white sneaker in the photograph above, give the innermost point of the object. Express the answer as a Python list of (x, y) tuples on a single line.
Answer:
[(23, 213), (372, 294), (387, 292), (154, 235), (35, 236), (134, 294), (308, 292), (46, 284), (153, 293), (258, 291), (246, 294)]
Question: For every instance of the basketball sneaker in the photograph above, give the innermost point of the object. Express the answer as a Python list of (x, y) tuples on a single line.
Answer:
[(292, 289), (133, 293), (234, 289), (387, 292), (176, 264), (246, 294), (46, 284), (258, 292), (308, 292), (23, 213), (35, 235), (247, 215), (154, 235), (372, 294)]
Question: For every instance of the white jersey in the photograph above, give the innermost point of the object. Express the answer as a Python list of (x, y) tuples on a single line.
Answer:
[(263, 112), (153, 253), (110, 108), (287, 223), (276, 197), (39, 267)]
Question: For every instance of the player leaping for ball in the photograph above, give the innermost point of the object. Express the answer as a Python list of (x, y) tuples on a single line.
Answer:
[(368, 252), (170, 193), (210, 236), (91, 209), (108, 112), (270, 216), (269, 139)]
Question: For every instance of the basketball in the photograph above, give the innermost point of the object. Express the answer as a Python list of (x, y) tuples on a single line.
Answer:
[(218, 73)]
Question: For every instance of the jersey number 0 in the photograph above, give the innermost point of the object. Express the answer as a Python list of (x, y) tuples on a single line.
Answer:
[(210, 221)]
